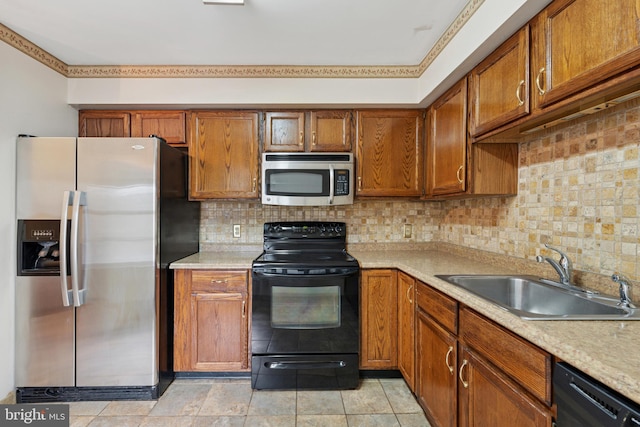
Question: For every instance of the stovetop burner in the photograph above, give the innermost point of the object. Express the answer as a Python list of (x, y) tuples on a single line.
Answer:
[(304, 244)]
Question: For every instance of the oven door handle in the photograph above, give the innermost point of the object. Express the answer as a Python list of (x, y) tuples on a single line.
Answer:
[(349, 272), (329, 364)]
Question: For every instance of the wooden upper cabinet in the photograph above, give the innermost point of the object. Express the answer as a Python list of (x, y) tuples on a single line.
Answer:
[(284, 131), (169, 125), (499, 85), (581, 43), (318, 130), (331, 130), (223, 150), (115, 124), (447, 142), (389, 152)]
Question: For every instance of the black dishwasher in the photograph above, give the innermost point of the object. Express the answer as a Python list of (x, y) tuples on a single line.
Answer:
[(584, 402)]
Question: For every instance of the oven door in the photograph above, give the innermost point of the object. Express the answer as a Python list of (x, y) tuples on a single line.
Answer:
[(308, 313), (305, 331)]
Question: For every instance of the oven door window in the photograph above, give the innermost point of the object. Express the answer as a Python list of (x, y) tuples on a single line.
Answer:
[(305, 307)]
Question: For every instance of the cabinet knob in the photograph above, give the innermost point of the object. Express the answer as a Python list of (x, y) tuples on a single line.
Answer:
[(538, 82), (518, 96)]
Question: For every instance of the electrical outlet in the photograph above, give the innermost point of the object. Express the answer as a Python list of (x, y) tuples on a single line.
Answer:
[(408, 229), (236, 230)]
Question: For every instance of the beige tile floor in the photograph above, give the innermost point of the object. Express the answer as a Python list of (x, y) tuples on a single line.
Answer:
[(232, 402)]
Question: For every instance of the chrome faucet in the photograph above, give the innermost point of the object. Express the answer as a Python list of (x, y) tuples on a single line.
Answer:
[(625, 299), (563, 267)]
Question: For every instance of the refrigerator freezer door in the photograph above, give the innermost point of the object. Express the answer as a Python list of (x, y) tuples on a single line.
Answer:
[(45, 168), (44, 334), (44, 327), (116, 324)]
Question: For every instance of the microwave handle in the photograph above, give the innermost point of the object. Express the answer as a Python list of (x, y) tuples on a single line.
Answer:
[(331, 184)]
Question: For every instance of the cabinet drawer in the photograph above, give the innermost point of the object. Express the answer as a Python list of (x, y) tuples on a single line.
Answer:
[(527, 364), (439, 306), (221, 281)]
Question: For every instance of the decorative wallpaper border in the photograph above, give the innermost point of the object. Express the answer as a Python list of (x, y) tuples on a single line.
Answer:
[(239, 71), (25, 46)]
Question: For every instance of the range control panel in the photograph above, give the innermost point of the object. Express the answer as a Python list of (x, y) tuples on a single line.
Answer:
[(304, 230)]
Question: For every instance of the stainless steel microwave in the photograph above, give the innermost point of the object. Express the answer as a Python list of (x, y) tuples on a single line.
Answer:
[(307, 179)]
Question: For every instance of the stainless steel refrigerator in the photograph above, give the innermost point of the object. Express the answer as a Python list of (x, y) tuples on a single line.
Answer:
[(98, 222)]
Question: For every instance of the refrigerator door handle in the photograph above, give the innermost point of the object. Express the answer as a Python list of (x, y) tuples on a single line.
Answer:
[(79, 199), (67, 295)]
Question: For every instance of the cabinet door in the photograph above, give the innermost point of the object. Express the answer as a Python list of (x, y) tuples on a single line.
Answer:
[(389, 152), (584, 42), (169, 125), (436, 372), (284, 131), (499, 85), (114, 124), (223, 148), (487, 397), (379, 320), (331, 130), (211, 326), (219, 331), (447, 142), (406, 328)]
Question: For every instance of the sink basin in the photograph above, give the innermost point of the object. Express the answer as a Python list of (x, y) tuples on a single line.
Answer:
[(532, 298)]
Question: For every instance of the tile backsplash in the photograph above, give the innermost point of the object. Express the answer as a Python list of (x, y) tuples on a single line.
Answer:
[(579, 189)]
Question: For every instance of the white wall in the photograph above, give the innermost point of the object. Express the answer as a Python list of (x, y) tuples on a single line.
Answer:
[(33, 100)]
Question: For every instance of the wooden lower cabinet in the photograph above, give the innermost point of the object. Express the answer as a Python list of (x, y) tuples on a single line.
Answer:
[(437, 382), (473, 373), (378, 319), (406, 327), (487, 397), (211, 320)]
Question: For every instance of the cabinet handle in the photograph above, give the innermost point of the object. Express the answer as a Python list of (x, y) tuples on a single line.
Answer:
[(446, 360), (520, 100), (313, 137), (244, 308), (218, 281), (359, 183), (538, 84), (408, 292), (460, 169), (464, 383), (255, 184), (301, 142)]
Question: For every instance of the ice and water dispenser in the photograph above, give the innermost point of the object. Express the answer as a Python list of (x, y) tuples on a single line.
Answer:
[(39, 247)]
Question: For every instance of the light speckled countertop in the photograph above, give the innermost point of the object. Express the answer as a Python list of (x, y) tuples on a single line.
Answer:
[(609, 351)]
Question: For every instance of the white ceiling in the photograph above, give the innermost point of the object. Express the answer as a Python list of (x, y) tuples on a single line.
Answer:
[(262, 32)]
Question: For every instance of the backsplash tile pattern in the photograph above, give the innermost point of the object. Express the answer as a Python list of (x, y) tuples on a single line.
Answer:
[(579, 189), (376, 221)]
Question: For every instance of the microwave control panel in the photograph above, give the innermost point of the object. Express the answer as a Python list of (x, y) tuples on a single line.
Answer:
[(341, 182)]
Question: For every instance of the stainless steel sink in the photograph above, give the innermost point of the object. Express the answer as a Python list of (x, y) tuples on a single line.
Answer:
[(532, 298)]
